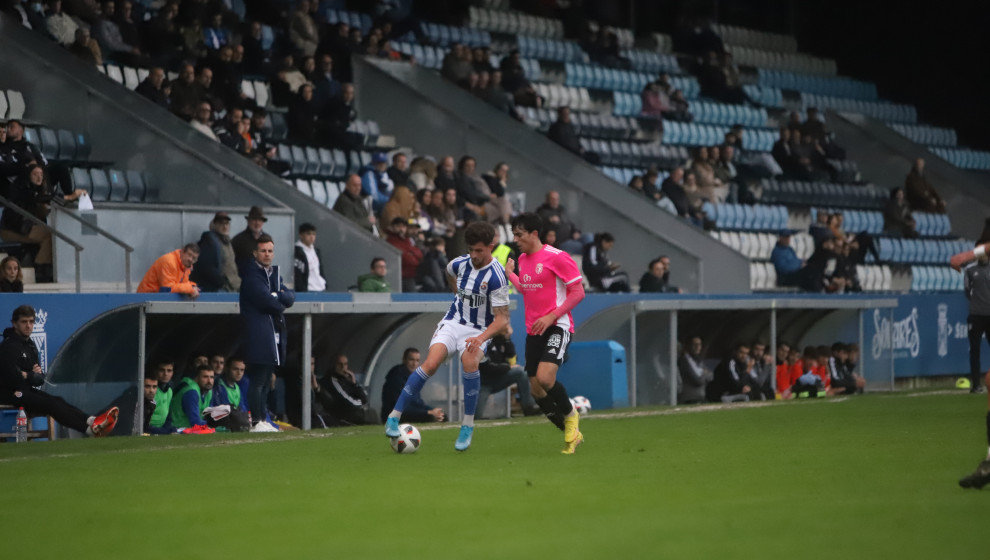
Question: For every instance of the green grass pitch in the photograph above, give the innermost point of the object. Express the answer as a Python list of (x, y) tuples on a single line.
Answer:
[(863, 477)]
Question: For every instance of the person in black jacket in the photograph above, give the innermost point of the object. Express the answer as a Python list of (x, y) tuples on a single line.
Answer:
[(11, 277), (657, 277), (601, 272), (416, 410), (308, 263), (499, 370), (733, 379), (21, 375), (431, 275), (344, 401), (216, 269)]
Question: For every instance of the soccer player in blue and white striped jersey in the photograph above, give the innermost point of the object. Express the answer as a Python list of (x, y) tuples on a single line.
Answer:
[(480, 310)]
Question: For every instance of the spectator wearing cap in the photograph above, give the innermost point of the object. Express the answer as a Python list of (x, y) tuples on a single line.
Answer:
[(412, 256), (244, 242), (375, 182), (308, 263), (785, 260), (216, 269), (350, 204), (170, 273)]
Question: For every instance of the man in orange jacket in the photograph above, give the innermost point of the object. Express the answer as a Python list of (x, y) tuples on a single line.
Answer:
[(171, 271)]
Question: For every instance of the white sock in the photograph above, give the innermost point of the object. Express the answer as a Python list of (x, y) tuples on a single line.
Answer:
[(395, 414), (988, 454), (89, 430), (90, 420), (468, 420)]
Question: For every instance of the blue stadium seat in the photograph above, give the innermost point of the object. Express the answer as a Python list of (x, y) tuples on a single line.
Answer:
[(100, 185), (118, 185), (135, 186)]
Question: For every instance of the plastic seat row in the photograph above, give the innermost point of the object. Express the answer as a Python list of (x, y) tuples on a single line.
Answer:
[(624, 175), (926, 134), (758, 217), (762, 277), (694, 134), (556, 95), (59, 145), (446, 35), (774, 60), (324, 193), (874, 278), (353, 19), (834, 194), (935, 279), (628, 154), (588, 124), (855, 221), (515, 23), (836, 86), (881, 110), (652, 61), (114, 185), (964, 158), (741, 36), (932, 225), (322, 162), (710, 112), (258, 90), (531, 67), (426, 56), (612, 79), (754, 246), (12, 105), (124, 75), (550, 49), (909, 251), (764, 95)]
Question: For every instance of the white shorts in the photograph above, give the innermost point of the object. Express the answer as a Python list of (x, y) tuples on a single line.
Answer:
[(453, 334)]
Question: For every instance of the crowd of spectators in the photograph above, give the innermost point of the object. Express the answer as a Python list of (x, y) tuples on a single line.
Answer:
[(749, 372)]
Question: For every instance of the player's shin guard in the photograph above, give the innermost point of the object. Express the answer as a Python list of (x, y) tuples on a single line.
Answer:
[(472, 386), (559, 395), (413, 386), (549, 408)]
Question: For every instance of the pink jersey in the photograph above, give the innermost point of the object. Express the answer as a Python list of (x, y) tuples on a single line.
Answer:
[(543, 280)]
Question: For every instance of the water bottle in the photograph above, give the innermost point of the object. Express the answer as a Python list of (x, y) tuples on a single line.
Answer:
[(20, 427)]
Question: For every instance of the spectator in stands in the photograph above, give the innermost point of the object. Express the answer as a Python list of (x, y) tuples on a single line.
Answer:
[(343, 399), (732, 380), (654, 99), (789, 268), (85, 48), (424, 199), (308, 264), (411, 255), (842, 381), (192, 397), (457, 66), (497, 180), (257, 58), (897, 218), (227, 132), (21, 375), (497, 96), (782, 152), (398, 172), (812, 127), (153, 87), (351, 204), (170, 273), (375, 182), (185, 95), (203, 120), (326, 86), (416, 410), (17, 154), (709, 187), (245, 242), (59, 24), (337, 117), (679, 109), (264, 336), (694, 375), (819, 271), (432, 273), (402, 205), (216, 36), (515, 82), (554, 215), (107, 34), (762, 372), (657, 277), (563, 133), (809, 158), (423, 174), (601, 272), (375, 281), (473, 191), (216, 268), (673, 188), (725, 171), (445, 178), (162, 37), (921, 195), (303, 31), (11, 277), (288, 79), (302, 116)]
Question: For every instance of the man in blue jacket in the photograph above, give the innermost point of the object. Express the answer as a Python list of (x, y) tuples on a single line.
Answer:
[(786, 262), (263, 299), (416, 409)]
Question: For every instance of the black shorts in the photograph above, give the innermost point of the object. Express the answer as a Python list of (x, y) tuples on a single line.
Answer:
[(551, 346)]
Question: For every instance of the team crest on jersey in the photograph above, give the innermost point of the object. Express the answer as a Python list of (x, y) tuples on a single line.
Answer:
[(484, 286), (539, 268)]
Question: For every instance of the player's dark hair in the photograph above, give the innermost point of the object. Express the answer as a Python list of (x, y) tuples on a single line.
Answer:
[(264, 238), (204, 367), (839, 347), (528, 222), (21, 311), (307, 227), (235, 359), (191, 247), (407, 351), (375, 260), (479, 232), (603, 237)]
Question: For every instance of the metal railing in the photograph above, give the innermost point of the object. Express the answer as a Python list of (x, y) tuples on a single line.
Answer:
[(127, 248), (77, 247)]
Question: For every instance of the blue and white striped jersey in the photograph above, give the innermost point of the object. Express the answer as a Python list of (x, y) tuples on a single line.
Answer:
[(478, 291)]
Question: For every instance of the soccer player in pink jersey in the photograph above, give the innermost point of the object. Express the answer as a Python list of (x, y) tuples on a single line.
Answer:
[(550, 284)]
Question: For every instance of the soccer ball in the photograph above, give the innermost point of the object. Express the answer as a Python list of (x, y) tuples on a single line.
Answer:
[(408, 440), (582, 404)]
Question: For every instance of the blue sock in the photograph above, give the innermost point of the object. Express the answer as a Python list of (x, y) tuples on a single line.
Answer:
[(472, 386), (413, 386)]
